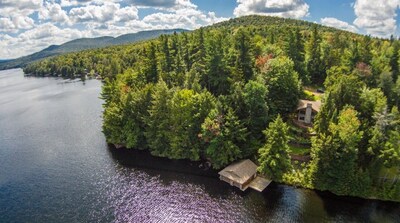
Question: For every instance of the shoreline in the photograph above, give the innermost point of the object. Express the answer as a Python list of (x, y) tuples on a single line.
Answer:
[(144, 159)]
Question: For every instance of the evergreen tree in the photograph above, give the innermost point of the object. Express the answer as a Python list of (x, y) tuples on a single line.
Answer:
[(390, 154), (342, 91), (158, 123), (188, 111), (314, 63), (198, 53), (112, 123), (274, 157), (394, 60), (135, 112), (216, 79), (243, 47), (351, 56), (295, 51), (167, 60), (386, 85), (222, 132), (151, 70)]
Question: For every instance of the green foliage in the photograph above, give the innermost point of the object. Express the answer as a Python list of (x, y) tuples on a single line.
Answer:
[(158, 127), (334, 164), (243, 49), (255, 108), (274, 155), (84, 44), (223, 132), (295, 51), (341, 91), (314, 63), (208, 94), (112, 122), (217, 78), (391, 152), (284, 87)]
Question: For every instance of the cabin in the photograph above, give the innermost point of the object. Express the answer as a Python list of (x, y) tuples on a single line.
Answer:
[(307, 110), (243, 174)]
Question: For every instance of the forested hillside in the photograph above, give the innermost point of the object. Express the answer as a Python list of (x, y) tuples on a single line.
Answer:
[(84, 44), (228, 91)]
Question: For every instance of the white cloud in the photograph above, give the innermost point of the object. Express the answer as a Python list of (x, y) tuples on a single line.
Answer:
[(68, 3), (127, 14), (282, 8), (169, 5), (36, 39), (103, 15), (53, 11), (336, 23), (14, 15), (6, 25), (183, 18), (377, 18), (14, 24), (59, 21), (19, 7), (94, 13)]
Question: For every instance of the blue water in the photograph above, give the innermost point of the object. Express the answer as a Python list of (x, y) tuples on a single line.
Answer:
[(56, 167)]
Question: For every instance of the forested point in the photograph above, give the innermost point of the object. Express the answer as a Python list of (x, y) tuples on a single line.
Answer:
[(230, 91)]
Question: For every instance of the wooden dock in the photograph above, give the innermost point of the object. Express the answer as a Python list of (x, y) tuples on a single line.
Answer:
[(259, 184)]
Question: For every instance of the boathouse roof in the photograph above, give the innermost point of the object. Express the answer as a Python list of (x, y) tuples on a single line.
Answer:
[(240, 172), (316, 105)]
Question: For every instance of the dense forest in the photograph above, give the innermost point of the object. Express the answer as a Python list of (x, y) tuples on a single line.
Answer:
[(229, 91), (85, 44)]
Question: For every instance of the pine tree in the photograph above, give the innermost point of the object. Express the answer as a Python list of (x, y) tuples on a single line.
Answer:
[(295, 51), (394, 60), (314, 63), (165, 49), (158, 123), (222, 133), (216, 79), (244, 62), (151, 70), (274, 157)]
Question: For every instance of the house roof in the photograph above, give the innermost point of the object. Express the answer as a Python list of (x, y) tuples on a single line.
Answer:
[(316, 105), (240, 171)]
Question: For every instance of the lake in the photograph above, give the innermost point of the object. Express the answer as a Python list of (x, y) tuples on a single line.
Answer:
[(55, 166)]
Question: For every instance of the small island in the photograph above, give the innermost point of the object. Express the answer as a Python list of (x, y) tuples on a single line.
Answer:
[(245, 89)]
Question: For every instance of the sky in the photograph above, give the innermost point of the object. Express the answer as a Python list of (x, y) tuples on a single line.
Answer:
[(28, 26)]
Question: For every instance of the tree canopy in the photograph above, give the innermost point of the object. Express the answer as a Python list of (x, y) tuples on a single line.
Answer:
[(209, 94)]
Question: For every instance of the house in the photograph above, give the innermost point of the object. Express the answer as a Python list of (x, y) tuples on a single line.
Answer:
[(239, 174), (306, 111)]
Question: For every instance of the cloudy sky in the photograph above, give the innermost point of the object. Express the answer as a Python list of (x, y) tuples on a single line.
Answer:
[(27, 26)]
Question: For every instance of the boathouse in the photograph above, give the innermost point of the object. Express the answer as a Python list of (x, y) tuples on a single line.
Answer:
[(243, 174)]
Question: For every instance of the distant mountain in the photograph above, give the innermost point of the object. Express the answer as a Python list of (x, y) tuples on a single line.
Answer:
[(84, 44)]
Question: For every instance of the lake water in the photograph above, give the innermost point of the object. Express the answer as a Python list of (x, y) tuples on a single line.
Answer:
[(56, 167)]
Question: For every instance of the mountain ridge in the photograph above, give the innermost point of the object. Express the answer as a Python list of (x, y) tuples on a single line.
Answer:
[(81, 44)]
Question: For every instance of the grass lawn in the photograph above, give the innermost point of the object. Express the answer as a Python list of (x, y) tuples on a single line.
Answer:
[(298, 150), (309, 95)]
